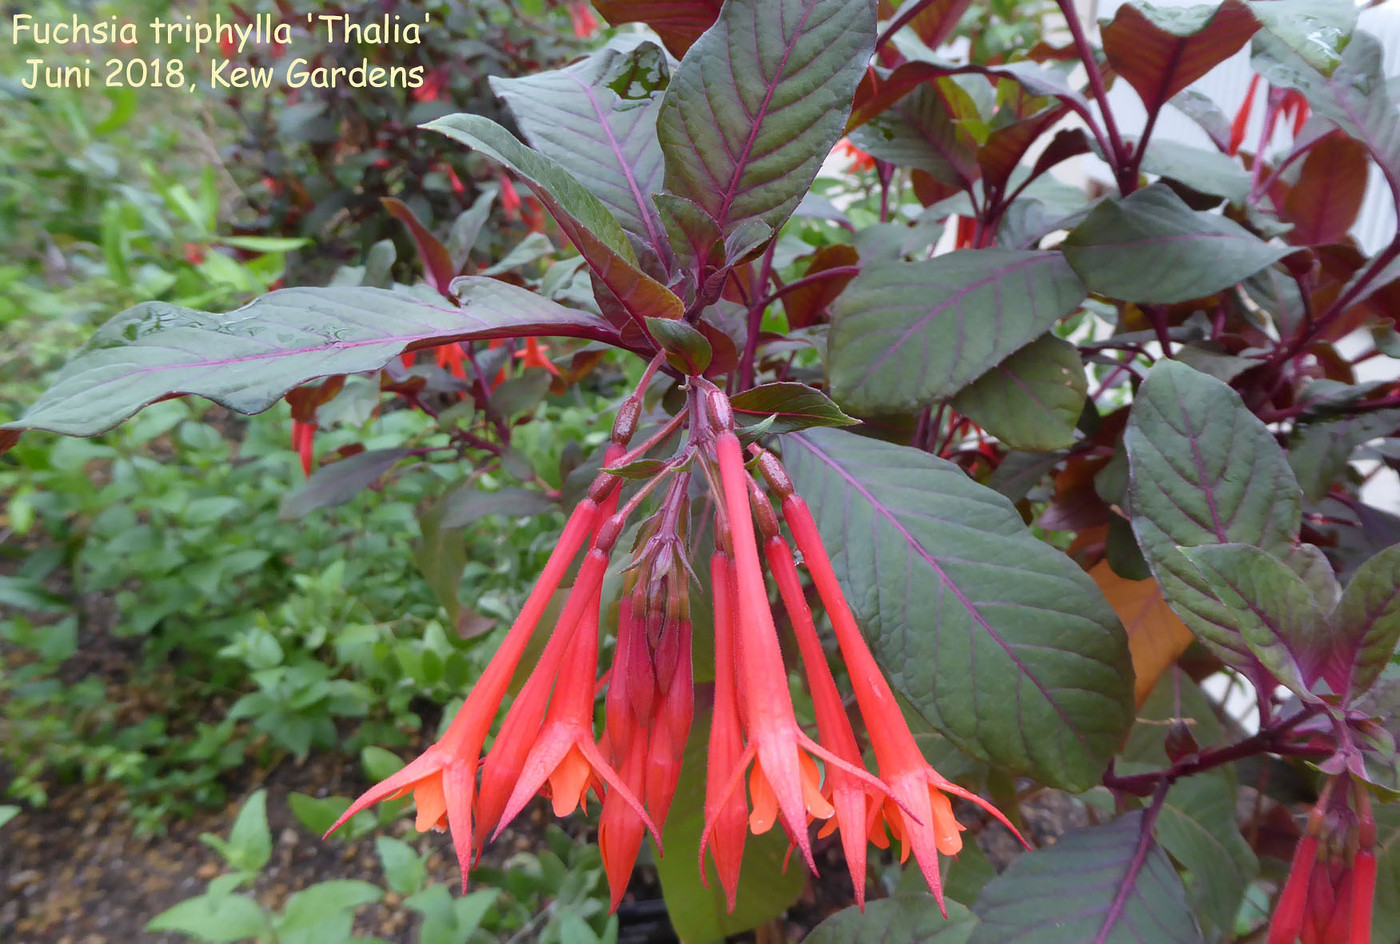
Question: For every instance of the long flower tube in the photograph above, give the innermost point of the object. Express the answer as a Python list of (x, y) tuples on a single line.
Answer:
[(851, 799), (785, 779), (919, 813), (506, 760), (442, 778), (726, 813)]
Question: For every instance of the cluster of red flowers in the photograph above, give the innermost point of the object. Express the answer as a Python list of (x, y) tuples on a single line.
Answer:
[(546, 742), (1331, 885)]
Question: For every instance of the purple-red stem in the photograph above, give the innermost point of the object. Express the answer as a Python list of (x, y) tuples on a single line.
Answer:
[(746, 362), (1115, 151)]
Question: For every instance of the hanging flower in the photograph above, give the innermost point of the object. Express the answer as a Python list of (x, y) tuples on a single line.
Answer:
[(762, 768), (1331, 885)]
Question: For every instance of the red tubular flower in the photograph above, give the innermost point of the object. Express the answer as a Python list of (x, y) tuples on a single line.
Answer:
[(631, 693), (450, 358), (303, 441), (443, 777), (848, 794), (726, 814), (585, 23), (860, 161), (784, 783), (1331, 887), (1241, 122), (564, 754), (918, 811)]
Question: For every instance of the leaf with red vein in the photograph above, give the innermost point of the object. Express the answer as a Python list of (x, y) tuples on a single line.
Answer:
[(597, 120), (1204, 470), (999, 640), (249, 358), (1324, 202), (905, 334), (1161, 51), (437, 263), (598, 237), (1109, 884), (679, 23), (759, 101)]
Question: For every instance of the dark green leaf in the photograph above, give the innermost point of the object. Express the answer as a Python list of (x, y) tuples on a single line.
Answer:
[(1151, 247), (339, 482), (404, 869), (1320, 450), (248, 359), (584, 219), (597, 120), (796, 406), (1031, 400), (641, 469), (1368, 617), (686, 348), (1204, 470), (1208, 171), (903, 919), (441, 556), (1269, 606), (758, 102), (1386, 914), (1197, 826), (906, 334), (1066, 893), (522, 394), (1000, 641), (467, 505)]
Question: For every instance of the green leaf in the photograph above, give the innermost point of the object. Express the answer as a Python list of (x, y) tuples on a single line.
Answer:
[(1066, 893), (597, 120), (1208, 171), (697, 910), (924, 131), (447, 920), (1317, 30), (310, 908), (1270, 607), (1204, 470), (7, 813), (378, 763), (403, 867), (584, 219), (1197, 826), (339, 482), (1150, 247), (1354, 95), (758, 102), (1000, 641), (248, 359), (1033, 399), (902, 919), (906, 334), (467, 505), (221, 918), (317, 814), (794, 406), (249, 844), (1320, 450), (441, 556), (1368, 617), (686, 348)]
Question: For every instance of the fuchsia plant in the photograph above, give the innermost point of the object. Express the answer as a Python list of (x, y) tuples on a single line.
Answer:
[(1040, 486)]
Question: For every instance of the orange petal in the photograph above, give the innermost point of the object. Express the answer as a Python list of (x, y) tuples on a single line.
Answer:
[(431, 802), (765, 804), (569, 782)]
